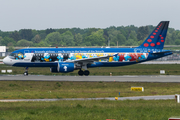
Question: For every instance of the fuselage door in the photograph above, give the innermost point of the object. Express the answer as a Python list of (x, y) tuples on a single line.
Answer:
[(28, 56)]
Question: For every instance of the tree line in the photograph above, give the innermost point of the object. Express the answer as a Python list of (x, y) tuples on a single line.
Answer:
[(122, 35)]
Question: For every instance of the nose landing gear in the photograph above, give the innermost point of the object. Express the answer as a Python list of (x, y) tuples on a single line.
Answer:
[(26, 72)]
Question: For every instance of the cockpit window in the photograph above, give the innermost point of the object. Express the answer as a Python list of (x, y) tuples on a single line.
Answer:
[(12, 54), (16, 56)]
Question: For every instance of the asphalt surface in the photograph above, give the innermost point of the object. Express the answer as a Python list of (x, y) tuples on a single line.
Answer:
[(126, 78), (159, 97)]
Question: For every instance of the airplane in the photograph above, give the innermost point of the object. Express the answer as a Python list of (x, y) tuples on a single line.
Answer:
[(64, 60)]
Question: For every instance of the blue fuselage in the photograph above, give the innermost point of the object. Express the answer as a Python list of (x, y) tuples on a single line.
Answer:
[(49, 57)]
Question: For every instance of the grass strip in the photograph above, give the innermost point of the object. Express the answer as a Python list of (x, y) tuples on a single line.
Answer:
[(47, 89), (90, 110)]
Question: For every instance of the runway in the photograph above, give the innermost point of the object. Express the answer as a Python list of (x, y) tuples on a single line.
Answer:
[(159, 97), (126, 78)]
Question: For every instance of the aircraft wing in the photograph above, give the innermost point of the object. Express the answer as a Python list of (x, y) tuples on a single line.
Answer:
[(89, 60)]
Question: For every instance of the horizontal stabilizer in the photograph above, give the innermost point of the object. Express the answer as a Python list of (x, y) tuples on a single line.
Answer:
[(161, 52)]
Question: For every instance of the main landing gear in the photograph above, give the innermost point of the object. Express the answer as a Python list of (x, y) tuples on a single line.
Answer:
[(26, 72), (81, 73)]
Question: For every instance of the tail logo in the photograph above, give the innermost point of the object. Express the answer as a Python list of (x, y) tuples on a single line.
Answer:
[(149, 40), (152, 37), (146, 45), (158, 43), (152, 44), (157, 38)]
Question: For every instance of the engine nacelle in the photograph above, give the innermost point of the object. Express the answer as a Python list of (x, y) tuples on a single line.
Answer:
[(63, 67)]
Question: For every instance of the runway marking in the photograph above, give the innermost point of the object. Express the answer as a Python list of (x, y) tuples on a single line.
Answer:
[(126, 78), (158, 97)]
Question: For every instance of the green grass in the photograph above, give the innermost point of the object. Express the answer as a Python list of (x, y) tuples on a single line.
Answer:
[(2, 57), (41, 90), (137, 69), (90, 110)]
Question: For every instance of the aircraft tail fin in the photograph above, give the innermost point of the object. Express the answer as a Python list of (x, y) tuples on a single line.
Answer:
[(157, 38)]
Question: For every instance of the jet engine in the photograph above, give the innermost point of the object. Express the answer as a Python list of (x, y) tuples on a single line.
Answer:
[(63, 67)]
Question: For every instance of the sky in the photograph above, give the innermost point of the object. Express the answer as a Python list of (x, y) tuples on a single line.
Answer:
[(43, 14)]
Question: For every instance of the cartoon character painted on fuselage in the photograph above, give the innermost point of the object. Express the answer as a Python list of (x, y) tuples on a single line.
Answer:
[(116, 58), (60, 57), (20, 56), (84, 55), (127, 57), (72, 56)]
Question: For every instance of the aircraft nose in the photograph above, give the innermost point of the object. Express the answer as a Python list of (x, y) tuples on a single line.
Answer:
[(6, 61)]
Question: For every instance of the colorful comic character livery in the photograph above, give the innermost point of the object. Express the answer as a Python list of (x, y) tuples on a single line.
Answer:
[(69, 59)]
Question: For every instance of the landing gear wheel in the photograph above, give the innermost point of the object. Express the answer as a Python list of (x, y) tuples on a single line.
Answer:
[(25, 73), (80, 72), (86, 72)]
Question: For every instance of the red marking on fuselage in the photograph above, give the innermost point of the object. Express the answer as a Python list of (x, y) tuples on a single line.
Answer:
[(121, 57), (134, 56)]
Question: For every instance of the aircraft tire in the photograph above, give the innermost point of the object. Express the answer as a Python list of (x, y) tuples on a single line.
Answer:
[(25, 73), (80, 72), (86, 72)]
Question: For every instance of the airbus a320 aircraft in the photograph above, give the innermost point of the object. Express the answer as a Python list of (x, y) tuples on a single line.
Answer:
[(69, 59)]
